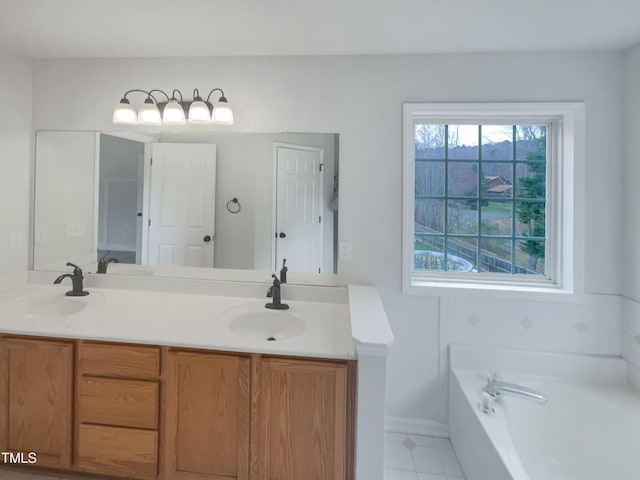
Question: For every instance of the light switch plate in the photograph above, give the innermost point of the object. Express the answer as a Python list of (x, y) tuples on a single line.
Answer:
[(344, 250)]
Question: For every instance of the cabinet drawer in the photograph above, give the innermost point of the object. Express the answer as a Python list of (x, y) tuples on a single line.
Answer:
[(119, 402), (124, 452), (120, 360)]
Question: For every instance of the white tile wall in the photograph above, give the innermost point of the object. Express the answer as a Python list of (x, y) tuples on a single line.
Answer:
[(592, 326)]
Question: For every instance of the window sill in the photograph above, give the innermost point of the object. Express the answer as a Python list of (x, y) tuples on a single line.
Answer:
[(525, 291)]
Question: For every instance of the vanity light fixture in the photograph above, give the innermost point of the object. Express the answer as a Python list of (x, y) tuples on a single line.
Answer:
[(172, 111)]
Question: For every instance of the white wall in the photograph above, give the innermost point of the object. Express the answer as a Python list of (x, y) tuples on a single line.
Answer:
[(631, 230), (65, 208), (361, 99), (15, 153)]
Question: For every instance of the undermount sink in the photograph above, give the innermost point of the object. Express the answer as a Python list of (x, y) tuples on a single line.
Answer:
[(54, 307), (52, 303), (255, 322)]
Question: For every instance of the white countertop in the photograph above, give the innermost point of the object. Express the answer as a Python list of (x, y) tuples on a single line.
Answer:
[(369, 324), (173, 319)]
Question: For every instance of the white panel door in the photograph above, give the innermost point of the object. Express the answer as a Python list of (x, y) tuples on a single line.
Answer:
[(182, 204), (299, 197)]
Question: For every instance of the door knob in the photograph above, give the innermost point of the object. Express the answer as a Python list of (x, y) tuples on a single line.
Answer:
[(282, 235), (207, 238)]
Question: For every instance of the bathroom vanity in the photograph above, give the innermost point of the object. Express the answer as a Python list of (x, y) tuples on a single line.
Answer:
[(147, 385)]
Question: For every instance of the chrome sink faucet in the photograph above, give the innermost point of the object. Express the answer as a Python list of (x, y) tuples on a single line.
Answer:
[(495, 388)]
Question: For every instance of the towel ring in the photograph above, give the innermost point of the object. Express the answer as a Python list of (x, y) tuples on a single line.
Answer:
[(233, 206)]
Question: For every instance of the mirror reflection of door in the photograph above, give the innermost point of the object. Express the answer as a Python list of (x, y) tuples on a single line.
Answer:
[(92, 196), (120, 199), (299, 207), (182, 204)]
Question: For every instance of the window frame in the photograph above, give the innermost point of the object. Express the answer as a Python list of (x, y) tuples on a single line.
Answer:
[(565, 180)]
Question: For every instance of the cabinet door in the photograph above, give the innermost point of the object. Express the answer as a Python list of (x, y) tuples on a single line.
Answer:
[(36, 398), (302, 415), (207, 417)]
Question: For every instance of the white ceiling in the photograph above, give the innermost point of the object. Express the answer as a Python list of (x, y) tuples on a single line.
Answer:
[(160, 28)]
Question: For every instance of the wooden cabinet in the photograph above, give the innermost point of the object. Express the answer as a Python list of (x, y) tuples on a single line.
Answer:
[(36, 385), (118, 360), (302, 420), (125, 452), (119, 402), (207, 416), (147, 412), (118, 409)]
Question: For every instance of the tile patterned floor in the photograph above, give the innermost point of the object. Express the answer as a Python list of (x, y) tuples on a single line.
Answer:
[(415, 457)]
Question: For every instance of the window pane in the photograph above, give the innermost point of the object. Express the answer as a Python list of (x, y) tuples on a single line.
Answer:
[(462, 254), (530, 219), (531, 180), (496, 255), (531, 142), (497, 180), (462, 216), (430, 141), (497, 142), (463, 142), (430, 179), (429, 216), (463, 179), (496, 218), (530, 256), (426, 247), (480, 193)]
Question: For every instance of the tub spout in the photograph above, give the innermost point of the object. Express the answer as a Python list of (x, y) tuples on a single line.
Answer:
[(494, 389)]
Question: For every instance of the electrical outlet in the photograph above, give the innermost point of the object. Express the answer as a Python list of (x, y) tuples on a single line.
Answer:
[(345, 251)]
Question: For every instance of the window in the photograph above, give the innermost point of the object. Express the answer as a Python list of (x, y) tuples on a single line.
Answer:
[(486, 191)]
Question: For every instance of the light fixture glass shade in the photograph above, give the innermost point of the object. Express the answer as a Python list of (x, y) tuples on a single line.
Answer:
[(148, 114), (199, 112), (222, 113), (124, 114), (173, 113)]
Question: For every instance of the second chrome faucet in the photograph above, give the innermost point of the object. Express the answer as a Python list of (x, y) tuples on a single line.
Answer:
[(495, 389)]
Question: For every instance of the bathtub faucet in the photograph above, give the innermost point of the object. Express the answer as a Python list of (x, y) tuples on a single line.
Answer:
[(495, 388)]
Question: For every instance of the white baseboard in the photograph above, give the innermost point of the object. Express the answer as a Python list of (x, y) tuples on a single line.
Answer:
[(416, 426)]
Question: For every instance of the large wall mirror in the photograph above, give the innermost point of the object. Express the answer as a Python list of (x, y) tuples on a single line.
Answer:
[(187, 204)]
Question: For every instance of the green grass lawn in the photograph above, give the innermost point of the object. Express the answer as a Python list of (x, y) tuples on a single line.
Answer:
[(497, 207)]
